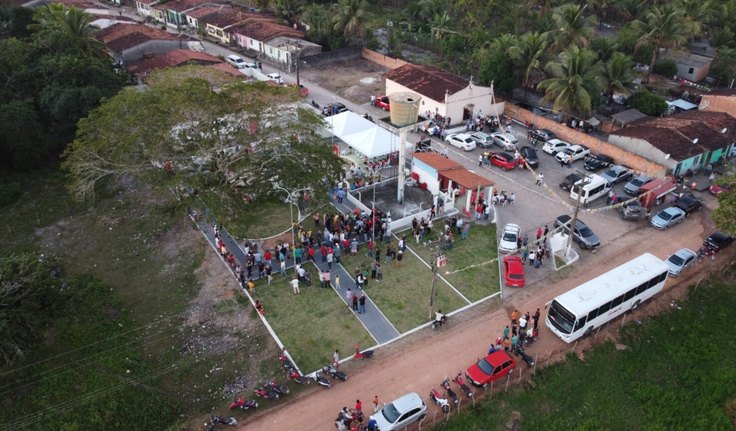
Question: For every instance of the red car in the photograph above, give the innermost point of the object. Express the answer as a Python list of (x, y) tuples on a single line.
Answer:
[(383, 102), (513, 270), (491, 368), (503, 160)]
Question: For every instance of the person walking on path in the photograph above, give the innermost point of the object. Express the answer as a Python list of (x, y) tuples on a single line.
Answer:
[(540, 178), (349, 297), (295, 285), (355, 303), (337, 281), (330, 258), (361, 303), (376, 404)]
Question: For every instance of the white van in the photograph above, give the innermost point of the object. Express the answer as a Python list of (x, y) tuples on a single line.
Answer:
[(592, 187), (275, 77)]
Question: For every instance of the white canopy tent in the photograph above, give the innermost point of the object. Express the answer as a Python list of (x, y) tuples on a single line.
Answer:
[(363, 135)]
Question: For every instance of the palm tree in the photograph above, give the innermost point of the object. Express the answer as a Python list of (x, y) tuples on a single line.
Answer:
[(573, 27), (528, 53), (663, 27), (73, 22), (350, 17), (695, 14), (601, 8), (288, 10), (574, 82), (440, 26), (616, 74), (319, 20), (604, 47)]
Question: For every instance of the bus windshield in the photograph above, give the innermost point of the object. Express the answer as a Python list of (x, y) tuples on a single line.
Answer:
[(562, 319)]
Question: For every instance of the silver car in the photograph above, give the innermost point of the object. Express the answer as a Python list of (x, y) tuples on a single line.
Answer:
[(668, 217), (507, 141), (582, 235), (633, 187), (401, 412), (680, 260), (483, 139)]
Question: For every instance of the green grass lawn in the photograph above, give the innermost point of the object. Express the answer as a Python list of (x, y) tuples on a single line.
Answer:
[(403, 295), (676, 373), (261, 219), (312, 324), (471, 264)]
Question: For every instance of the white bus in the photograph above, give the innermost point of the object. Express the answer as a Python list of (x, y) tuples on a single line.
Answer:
[(577, 312)]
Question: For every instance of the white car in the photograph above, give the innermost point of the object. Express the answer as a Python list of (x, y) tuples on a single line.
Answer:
[(680, 260), (462, 141), (576, 151), (510, 239), (553, 146), (236, 61), (401, 412), (507, 141), (275, 77)]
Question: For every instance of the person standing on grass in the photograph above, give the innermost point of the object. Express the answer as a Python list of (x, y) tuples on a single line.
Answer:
[(269, 277), (295, 285), (379, 272), (399, 257), (361, 303), (251, 287), (466, 231), (374, 267)]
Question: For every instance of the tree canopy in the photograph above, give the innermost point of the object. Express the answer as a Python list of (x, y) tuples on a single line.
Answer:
[(183, 130)]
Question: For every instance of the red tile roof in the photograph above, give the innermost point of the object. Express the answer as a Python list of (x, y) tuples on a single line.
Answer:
[(440, 163), (716, 120), (173, 58), (721, 92), (427, 81), (226, 17), (204, 11), (182, 5), (467, 179), (669, 141), (224, 67), (119, 37), (692, 128), (265, 30)]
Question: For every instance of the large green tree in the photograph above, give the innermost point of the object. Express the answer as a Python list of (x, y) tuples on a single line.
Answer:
[(616, 74), (528, 54), (725, 215), (573, 26), (350, 17), (495, 64), (663, 27), (188, 128), (574, 82), (29, 296)]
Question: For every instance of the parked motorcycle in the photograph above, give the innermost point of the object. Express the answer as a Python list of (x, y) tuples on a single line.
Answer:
[(285, 361), (334, 372), (269, 394), (439, 400), (366, 354), (294, 375), (526, 358), (450, 393), (322, 380), (242, 403), (231, 421), (461, 382), (278, 388), (315, 104)]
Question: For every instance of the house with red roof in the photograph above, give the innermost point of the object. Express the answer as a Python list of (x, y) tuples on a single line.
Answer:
[(130, 42), (174, 58), (443, 93)]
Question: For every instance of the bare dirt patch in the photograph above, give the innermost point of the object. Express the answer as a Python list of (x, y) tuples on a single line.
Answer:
[(354, 80)]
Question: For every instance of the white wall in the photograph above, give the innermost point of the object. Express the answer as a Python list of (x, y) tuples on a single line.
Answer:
[(427, 175)]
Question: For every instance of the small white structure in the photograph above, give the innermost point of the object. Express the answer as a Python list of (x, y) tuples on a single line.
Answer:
[(363, 135)]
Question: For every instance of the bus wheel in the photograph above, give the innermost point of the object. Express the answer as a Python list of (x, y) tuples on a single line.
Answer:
[(635, 305)]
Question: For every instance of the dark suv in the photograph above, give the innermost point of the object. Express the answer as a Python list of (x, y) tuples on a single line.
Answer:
[(718, 241), (689, 204), (569, 181), (333, 109), (597, 162), (540, 135)]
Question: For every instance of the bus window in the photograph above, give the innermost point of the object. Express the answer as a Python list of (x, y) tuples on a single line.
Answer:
[(616, 302), (604, 308), (580, 323), (630, 294), (593, 314), (562, 319), (642, 287)]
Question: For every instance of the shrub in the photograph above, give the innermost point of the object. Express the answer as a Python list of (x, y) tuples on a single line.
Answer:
[(648, 103), (666, 68)]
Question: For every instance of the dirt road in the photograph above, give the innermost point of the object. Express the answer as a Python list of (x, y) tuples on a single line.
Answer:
[(420, 361)]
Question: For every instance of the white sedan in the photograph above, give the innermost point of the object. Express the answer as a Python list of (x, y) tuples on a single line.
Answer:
[(510, 239), (462, 141), (680, 260), (553, 146)]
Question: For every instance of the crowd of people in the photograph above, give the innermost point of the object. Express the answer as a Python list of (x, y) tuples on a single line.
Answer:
[(522, 328), (352, 419)]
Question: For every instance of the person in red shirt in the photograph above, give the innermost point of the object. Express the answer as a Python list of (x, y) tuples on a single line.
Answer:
[(268, 256), (310, 253)]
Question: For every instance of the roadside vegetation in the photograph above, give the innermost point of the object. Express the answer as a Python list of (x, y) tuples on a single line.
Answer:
[(671, 372)]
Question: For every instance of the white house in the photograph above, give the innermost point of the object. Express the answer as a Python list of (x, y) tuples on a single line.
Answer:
[(443, 93)]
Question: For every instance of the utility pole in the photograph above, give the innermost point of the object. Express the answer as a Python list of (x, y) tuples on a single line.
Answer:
[(574, 220)]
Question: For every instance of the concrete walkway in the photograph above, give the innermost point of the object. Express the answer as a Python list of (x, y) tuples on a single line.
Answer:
[(373, 320)]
